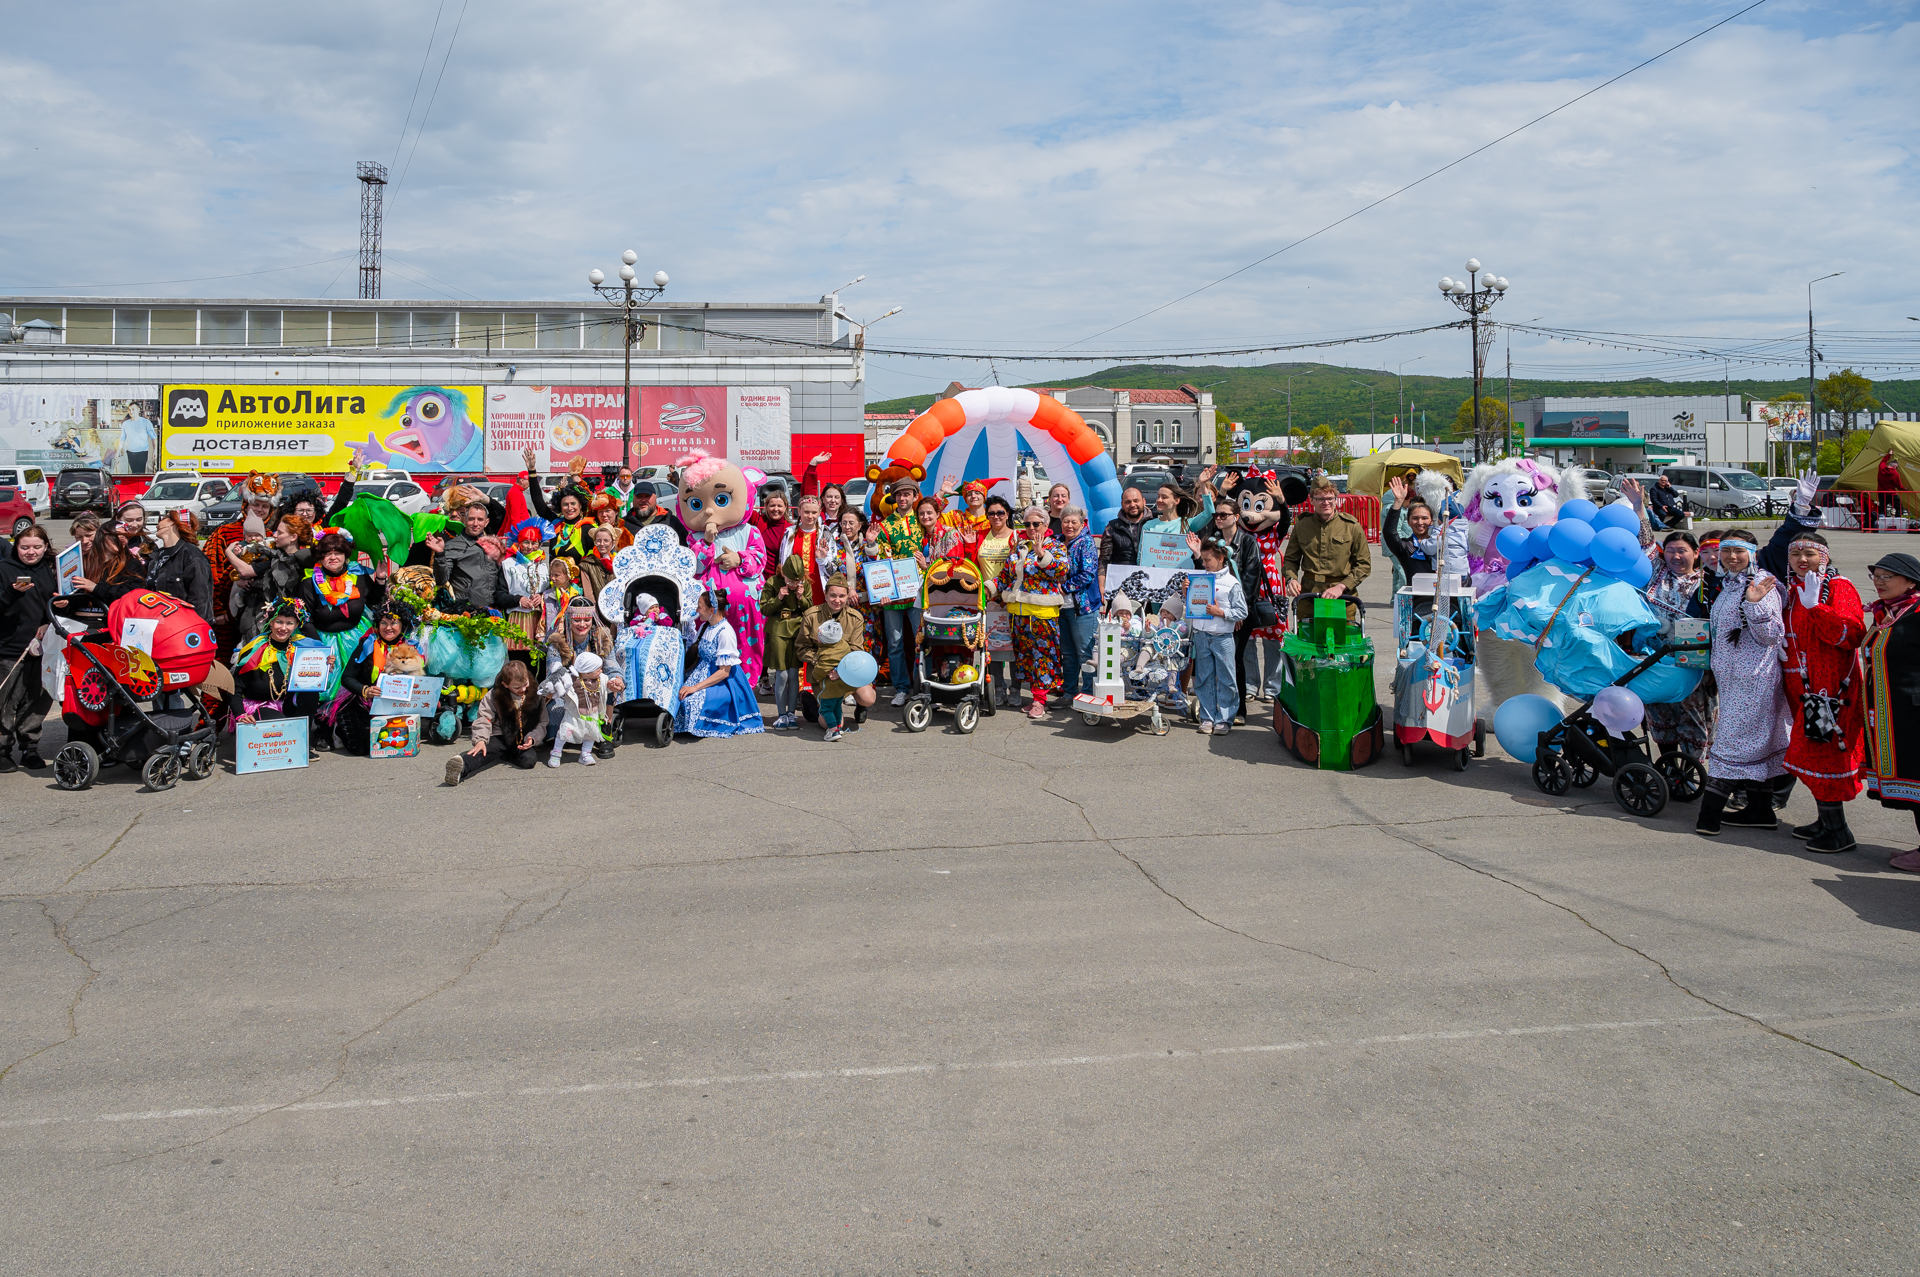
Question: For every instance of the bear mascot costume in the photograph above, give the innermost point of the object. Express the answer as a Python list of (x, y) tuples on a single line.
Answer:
[(715, 499)]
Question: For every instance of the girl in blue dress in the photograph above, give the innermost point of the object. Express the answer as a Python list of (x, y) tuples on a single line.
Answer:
[(717, 698)]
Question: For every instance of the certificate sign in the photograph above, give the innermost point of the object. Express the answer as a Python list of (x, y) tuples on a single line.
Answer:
[(67, 566), (892, 580), (396, 687), (1199, 594), (311, 668), (270, 745), (424, 700), (1165, 550)]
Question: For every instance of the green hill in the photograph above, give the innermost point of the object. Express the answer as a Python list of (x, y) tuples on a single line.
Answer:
[(1325, 393)]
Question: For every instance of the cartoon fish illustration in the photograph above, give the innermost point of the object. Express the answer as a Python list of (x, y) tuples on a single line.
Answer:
[(435, 433)]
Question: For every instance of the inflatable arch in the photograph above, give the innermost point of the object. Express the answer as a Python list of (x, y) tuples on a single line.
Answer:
[(979, 434)]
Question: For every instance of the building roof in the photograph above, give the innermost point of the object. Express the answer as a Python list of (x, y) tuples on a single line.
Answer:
[(1184, 395)]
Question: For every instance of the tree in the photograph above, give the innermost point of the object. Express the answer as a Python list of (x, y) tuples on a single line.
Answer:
[(1328, 448), (1847, 392), (1493, 422)]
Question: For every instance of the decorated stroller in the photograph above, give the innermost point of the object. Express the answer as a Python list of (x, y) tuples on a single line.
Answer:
[(139, 701), (1433, 675), (953, 667), (1581, 749), (651, 657)]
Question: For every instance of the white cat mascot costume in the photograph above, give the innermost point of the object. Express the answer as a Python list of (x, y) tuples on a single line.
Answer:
[(1514, 492)]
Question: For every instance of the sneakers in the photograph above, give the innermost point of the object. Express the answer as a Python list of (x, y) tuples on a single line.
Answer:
[(1907, 863), (1221, 729), (586, 756), (833, 735), (456, 768), (31, 760), (899, 699), (553, 760), (1205, 728)]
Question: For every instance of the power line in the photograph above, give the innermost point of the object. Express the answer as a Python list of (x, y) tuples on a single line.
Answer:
[(1429, 177), (198, 279), (426, 55), (431, 97)]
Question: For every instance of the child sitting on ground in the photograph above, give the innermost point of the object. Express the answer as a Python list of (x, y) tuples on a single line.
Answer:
[(582, 694)]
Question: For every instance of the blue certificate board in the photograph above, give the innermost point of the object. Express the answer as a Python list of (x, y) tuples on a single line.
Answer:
[(271, 745), (1199, 594)]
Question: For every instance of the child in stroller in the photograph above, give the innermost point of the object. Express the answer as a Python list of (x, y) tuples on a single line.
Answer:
[(139, 698), (953, 668)]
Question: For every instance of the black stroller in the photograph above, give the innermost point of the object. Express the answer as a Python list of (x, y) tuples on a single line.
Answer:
[(1579, 751)]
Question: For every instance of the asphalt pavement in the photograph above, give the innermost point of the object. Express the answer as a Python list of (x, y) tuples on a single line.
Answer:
[(1044, 999)]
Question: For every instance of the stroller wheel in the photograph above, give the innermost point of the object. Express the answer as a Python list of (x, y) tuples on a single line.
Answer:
[(1551, 775), (1584, 772), (1460, 757), (663, 729), (1640, 790), (76, 766), (1683, 774), (966, 716), (162, 771), (200, 760), (986, 697), (919, 714)]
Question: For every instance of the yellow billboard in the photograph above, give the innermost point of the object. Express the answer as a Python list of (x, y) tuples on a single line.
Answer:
[(322, 429)]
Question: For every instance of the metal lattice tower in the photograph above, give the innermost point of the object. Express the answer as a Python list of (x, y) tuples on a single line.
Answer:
[(373, 185)]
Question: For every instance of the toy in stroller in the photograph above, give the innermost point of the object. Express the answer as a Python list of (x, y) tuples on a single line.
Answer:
[(651, 657), (1580, 749), (139, 701), (1433, 675), (953, 668)]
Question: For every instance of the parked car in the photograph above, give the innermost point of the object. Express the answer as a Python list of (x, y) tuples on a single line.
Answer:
[(1594, 482), (16, 512), (1719, 491), (82, 488), (32, 485), (182, 494), (405, 494)]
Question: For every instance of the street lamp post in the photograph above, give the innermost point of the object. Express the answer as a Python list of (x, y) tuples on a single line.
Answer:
[(1400, 376), (1476, 296), (1813, 411), (1370, 400), (626, 295)]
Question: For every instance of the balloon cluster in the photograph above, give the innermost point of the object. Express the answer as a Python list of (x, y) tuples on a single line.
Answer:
[(1608, 539)]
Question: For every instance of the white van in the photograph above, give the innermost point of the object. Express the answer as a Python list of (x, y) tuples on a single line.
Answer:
[(35, 488)]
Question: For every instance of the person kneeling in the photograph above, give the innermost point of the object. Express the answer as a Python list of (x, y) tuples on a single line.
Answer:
[(829, 634), (510, 724)]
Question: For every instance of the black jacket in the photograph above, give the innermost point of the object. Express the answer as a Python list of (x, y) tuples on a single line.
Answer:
[(182, 571), (465, 569), (23, 612), (1121, 542)]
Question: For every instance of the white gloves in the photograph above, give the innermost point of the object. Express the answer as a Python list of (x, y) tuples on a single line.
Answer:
[(1810, 590), (1803, 492)]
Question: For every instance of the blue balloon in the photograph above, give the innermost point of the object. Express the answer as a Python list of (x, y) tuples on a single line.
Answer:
[(1614, 551), (1579, 508), (1520, 720), (1537, 547), (1639, 573), (857, 669), (1571, 540), (1512, 544), (1618, 515)]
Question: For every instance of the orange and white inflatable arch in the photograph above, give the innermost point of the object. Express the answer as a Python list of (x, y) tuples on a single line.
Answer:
[(980, 434)]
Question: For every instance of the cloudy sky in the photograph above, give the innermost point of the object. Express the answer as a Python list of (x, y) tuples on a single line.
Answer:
[(1015, 175)]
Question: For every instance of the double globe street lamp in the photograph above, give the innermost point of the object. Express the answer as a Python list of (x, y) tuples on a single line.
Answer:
[(628, 294), (1476, 295)]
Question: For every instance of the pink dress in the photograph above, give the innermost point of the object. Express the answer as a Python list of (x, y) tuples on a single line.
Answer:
[(742, 586)]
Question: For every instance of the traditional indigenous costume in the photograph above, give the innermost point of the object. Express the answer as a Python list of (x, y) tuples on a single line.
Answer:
[(806, 546), (1683, 725), (1752, 731), (728, 708), (1824, 630), (1031, 587), (525, 571), (1893, 708)]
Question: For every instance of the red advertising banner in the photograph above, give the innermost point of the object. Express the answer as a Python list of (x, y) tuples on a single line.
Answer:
[(561, 423), (848, 459)]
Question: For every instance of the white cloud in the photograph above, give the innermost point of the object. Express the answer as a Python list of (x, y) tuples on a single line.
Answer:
[(1010, 174)]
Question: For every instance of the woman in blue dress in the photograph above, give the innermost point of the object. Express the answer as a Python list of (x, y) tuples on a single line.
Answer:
[(717, 699)]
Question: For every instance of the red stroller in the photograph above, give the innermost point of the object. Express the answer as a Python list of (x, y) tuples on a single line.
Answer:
[(139, 698)]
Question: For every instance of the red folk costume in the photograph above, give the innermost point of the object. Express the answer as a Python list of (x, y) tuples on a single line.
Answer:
[(1821, 657), (806, 545)]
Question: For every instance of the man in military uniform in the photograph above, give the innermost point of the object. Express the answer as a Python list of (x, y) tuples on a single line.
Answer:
[(1327, 554)]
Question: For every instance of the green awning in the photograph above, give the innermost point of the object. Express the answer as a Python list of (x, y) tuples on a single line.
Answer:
[(1587, 443)]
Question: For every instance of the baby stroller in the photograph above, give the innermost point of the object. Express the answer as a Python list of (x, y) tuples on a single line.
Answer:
[(1580, 750), (655, 564), (139, 701), (1433, 675), (953, 668)]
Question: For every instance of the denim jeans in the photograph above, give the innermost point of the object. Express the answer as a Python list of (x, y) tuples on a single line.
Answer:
[(1077, 631), (901, 623), (1270, 663), (1214, 692)]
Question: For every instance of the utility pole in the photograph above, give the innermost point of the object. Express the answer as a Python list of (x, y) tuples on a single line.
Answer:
[(1813, 412), (373, 187), (1476, 296), (1509, 430), (1401, 375), (626, 295)]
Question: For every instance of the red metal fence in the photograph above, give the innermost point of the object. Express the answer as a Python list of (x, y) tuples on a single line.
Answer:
[(1364, 508)]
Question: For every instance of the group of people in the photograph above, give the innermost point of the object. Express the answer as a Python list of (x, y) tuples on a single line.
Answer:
[(1807, 684)]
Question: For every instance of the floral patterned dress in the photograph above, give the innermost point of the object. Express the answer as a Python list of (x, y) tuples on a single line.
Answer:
[(742, 585), (1031, 585)]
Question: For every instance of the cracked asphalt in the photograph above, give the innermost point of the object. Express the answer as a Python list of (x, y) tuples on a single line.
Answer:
[(1044, 999)]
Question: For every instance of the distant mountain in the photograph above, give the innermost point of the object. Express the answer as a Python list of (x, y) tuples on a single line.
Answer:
[(1325, 393)]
